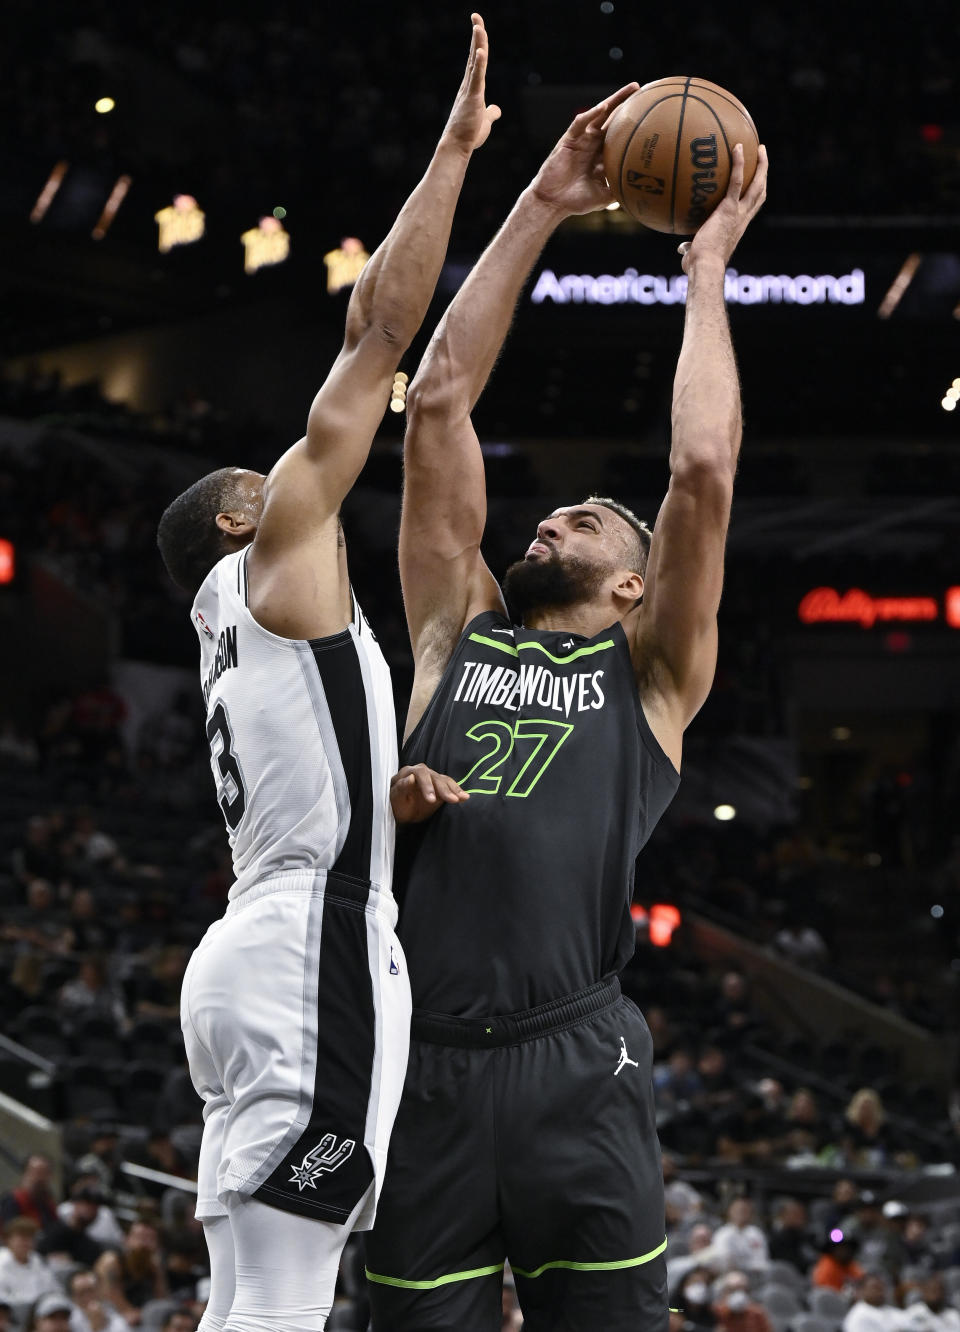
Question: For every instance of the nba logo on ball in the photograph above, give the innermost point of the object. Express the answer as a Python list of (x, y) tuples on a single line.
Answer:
[(668, 151), (639, 180)]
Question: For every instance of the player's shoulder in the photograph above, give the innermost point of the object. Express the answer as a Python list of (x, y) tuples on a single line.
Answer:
[(487, 620), (224, 585)]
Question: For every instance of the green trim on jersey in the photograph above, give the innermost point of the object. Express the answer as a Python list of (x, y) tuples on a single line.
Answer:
[(593, 1267), (560, 661), (509, 649), (438, 1281), (498, 1267)]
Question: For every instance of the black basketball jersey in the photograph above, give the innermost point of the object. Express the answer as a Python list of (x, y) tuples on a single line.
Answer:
[(521, 894)]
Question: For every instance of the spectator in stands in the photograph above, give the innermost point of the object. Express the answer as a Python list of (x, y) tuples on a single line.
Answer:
[(749, 1129), (186, 1260), (740, 1243), (158, 1153), (100, 1160), (40, 923), (92, 992), (90, 847), (863, 1220), (700, 1255), (68, 1239), (682, 1203), (718, 1088), (91, 1313), (51, 1313), (136, 1274), (25, 984), (790, 1241), (91, 934), (182, 1320), (802, 1126), (159, 995), (37, 856), (676, 1082), (916, 1243), (104, 1228), (24, 1275), (736, 1311), (694, 1299), (837, 1266), (801, 944), (932, 1313), (733, 1005), (866, 1140), (872, 1311), (33, 1196), (17, 745), (885, 1247)]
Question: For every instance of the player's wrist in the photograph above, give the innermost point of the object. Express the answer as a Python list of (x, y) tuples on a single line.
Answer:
[(706, 263), (454, 147), (542, 206)]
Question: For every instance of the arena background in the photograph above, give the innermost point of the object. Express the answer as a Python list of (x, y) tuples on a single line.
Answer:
[(797, 910)]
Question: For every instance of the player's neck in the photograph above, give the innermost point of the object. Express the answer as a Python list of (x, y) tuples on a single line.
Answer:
[(585, 620)]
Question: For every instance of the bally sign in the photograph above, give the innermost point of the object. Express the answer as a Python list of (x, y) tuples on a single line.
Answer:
[(825, 605)]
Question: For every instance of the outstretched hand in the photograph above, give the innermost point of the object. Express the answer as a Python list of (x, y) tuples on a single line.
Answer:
[(471, 119), (572, 177), (418, 792), (721, 232)]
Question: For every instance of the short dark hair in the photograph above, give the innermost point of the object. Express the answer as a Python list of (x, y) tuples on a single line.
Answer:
[(643, 533), (190, 541)]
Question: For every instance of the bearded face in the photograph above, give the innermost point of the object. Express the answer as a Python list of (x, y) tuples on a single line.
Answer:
[(550, 584)]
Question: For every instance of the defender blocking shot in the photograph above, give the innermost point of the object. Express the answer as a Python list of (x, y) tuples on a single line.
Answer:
[(295, 1007)]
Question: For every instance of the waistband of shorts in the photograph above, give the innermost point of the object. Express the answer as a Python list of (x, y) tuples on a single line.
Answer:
[(512, 1028), (326, 881)]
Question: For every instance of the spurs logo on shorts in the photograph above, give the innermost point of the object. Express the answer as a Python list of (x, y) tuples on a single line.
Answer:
[(322, 1160)]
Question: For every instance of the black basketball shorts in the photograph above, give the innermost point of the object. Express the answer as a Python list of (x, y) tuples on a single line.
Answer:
[(529, 1139)]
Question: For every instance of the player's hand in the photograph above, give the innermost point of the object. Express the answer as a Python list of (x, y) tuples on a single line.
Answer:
[(572, 179), (722, 230), (471, 119), (418, 792)]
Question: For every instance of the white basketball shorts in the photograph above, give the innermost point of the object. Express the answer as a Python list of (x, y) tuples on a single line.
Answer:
[(296, 1019)]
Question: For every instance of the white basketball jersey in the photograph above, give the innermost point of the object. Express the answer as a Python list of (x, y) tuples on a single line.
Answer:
[(302, 736)]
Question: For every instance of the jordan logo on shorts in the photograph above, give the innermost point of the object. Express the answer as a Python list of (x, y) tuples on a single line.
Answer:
[(321, 1161), (624, 1059)]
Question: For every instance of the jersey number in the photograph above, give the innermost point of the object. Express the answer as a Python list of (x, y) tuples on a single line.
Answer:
[(230, 792), (501, 739)]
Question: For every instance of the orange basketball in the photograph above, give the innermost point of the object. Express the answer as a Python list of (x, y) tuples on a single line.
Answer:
[(669, 148)]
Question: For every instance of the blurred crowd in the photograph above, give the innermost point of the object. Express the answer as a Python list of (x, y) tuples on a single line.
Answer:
[(113, 862)]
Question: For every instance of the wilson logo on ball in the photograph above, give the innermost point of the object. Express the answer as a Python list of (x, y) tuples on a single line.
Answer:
[(703, 178)]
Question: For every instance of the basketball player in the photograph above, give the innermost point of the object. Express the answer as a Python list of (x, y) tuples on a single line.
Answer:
[(296, 1006), (526, 1131)]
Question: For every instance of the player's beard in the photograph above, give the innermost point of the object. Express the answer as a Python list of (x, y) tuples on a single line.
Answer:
[(550, 584)]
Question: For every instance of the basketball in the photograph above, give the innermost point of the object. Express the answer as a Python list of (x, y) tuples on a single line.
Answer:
[(668, 151)]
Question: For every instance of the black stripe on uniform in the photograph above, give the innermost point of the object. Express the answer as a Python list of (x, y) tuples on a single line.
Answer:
[(339, 668), (316, 1177), (328, 1170)]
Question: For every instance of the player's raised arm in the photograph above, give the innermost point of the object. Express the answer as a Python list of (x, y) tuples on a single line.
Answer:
[(675, 633), (303, 492), (445, 581)]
